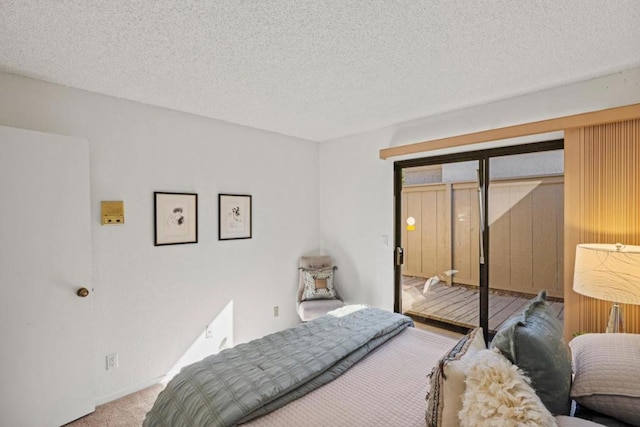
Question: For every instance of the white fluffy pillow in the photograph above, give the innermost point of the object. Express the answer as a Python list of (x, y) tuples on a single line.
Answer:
[(498, 394)]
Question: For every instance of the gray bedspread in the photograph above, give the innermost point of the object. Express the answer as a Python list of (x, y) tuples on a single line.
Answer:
[(252, 379)]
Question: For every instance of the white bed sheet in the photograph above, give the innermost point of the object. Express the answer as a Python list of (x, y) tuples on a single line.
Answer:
[(387, 388)]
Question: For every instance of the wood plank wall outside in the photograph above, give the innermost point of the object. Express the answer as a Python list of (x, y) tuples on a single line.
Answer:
[(602, 205), (428, 248), (465, 226), (526, 220)]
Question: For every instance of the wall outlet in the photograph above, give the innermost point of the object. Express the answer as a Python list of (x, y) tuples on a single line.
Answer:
[(112, 361), (208, 332), (276, 311)]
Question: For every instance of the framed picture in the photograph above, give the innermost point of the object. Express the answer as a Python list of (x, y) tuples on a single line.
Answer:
[(234, 216), (176, 218)]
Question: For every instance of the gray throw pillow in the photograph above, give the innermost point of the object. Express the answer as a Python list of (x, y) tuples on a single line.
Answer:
[(534, 342)]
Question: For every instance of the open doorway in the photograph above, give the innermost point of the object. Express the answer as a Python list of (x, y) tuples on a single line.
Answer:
[(479, 234)]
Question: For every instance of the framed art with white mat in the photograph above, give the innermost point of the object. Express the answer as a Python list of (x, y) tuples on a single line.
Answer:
[(234, 216), (176, 218)]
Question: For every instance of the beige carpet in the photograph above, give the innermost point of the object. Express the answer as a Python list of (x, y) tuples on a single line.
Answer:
[(128, 411)]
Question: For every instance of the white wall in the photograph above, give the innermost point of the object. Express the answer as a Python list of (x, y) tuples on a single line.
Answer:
[(356, 207), (152, 303), (618, 89), (356, 187)]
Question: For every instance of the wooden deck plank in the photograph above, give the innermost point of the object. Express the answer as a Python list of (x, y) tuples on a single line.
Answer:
[(494, 301), (411, 282), (514, 308), (434, 303), (438, 296), (558, 308), (470, 310), (472, 317), (447, 311), (458, 305)]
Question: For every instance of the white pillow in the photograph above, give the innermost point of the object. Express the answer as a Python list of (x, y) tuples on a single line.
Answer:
[(499, 394), (444, 399), (607, 374)]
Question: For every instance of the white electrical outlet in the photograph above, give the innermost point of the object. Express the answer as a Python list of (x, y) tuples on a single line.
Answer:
[(276, 311), (208, 332), (112, 361)]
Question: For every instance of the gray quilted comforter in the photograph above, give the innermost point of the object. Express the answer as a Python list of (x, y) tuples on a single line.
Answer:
[(252, 379)]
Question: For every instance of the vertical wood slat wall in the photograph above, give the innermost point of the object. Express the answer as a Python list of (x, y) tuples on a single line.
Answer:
[(602, 205)]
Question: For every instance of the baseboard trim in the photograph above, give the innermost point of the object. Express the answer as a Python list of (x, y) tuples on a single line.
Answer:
[(130, 390)]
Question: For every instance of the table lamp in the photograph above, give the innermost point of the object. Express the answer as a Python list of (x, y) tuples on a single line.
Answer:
[(610, 273)]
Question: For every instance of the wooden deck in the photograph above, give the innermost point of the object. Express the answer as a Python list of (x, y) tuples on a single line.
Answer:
[(458, 305)]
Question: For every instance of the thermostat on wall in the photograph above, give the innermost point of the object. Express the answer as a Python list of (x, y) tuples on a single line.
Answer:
[(112, 213)]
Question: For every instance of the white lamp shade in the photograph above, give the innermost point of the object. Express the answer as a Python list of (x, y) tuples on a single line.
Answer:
[(608, 272)]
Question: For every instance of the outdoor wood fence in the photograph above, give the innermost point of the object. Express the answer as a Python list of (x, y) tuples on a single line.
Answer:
[(526, 223)]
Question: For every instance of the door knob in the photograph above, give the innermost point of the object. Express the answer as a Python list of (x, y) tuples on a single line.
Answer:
[(82, 292)]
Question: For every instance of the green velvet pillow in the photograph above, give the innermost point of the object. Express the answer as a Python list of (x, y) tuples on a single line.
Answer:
[(534, 342)]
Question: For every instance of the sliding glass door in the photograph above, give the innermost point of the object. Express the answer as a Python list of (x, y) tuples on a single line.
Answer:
[(460, 219), (440, 237)]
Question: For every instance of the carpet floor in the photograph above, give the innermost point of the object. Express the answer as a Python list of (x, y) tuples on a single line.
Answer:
[(128, 411)]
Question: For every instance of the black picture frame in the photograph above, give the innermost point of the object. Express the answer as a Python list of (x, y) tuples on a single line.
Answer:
[(175, 218), (235, 216)]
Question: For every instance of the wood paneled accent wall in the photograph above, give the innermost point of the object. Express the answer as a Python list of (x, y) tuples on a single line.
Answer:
[(602, 205)]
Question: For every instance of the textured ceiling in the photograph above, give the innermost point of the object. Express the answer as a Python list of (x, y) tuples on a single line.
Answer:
[(317, 69)]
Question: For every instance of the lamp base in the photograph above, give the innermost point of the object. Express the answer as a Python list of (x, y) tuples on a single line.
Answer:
[(615, 320)]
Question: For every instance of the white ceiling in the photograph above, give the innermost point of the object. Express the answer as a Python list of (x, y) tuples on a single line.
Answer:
[(317, 69)]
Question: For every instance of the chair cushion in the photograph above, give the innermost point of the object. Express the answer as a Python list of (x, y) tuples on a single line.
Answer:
[(309, 310), (534, 342)]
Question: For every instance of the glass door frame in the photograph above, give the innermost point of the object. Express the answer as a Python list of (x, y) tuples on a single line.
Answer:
[(483, 157)]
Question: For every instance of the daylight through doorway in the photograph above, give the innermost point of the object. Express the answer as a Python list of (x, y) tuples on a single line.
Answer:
[(479, 234)]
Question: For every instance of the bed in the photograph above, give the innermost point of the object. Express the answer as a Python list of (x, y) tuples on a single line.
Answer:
[(376, 374)]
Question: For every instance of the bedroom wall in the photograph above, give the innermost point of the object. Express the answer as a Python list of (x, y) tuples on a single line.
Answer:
[(356, 187), (152, 303)]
